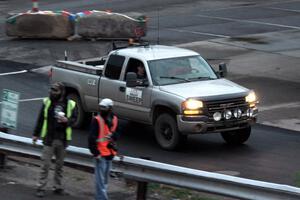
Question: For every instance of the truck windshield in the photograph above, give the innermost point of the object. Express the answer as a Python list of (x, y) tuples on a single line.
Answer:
[(179, 70)]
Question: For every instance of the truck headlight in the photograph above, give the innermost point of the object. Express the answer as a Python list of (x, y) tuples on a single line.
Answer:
[(251, 99), (192, 107)]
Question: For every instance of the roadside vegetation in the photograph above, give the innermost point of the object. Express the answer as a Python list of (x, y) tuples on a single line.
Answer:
[(159, 191)]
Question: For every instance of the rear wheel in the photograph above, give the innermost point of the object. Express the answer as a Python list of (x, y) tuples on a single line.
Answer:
[(166, 132), (82, 116), (237, 137)]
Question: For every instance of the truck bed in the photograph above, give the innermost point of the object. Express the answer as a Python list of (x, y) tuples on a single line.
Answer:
[(91, 66)]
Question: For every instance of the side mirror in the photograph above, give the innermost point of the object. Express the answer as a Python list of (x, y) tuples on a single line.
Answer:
[(131, 80), (222, 70)]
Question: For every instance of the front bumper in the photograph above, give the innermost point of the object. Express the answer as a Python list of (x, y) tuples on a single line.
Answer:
[(202, 124)]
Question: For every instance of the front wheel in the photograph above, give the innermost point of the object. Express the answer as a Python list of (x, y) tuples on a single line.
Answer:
[(237, 137), (166, 132)]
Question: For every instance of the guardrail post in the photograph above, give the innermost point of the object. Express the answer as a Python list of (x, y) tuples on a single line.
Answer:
[(142, 187), (2, 159), (3, 154), (142, 190)]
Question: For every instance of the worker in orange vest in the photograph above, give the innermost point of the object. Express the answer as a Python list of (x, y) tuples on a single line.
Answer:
[(102, 145)]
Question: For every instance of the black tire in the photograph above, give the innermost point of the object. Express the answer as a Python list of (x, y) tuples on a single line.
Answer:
[(237, 137), (82, 116), (166, 132)]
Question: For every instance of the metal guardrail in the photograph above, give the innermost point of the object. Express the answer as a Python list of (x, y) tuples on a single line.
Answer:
[(150, 171)]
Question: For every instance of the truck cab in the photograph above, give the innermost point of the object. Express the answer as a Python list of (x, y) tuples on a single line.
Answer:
[(179, 87)]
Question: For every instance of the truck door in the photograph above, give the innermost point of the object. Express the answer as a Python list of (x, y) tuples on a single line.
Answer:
[(137, 101), (110, 83)]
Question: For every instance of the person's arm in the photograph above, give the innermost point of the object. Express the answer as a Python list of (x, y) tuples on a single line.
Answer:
[(116, 134), (68, 121), (72, 119), (92, 139), (39, 125)]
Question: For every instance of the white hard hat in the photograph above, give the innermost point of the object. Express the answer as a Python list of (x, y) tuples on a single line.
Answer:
[(106, 104)]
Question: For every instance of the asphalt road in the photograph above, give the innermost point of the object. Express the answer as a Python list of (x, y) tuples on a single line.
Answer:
[(260, 41)]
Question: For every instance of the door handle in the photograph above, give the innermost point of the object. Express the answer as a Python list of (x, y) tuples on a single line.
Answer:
[(122, 89)]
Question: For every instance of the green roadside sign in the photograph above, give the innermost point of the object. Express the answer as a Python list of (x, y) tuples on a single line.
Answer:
[(9, 108)]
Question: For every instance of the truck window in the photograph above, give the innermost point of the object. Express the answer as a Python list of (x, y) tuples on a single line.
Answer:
[(137, 67), (114, 66), (179, 69)]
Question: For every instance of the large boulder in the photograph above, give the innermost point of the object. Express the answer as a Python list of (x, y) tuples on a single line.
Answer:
[(59, 25), (100, 24)]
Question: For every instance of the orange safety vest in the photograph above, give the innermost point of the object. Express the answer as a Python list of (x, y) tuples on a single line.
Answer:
[(103, 132)]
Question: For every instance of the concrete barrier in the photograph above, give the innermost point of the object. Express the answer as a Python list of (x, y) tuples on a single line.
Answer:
[(46, 24), (101, 24), (88, 24)]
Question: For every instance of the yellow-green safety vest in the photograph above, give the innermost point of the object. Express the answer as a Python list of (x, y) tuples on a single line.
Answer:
[(47, 102)]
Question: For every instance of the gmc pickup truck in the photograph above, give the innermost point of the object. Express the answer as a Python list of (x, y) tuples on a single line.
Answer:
[(180, 93)]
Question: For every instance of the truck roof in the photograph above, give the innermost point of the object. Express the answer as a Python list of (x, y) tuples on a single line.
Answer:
[(155, 52)]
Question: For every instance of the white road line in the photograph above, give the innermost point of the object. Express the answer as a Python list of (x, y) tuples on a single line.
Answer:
[(285, 9), (249, 6), (27, 100), (198, 33), (33, 99), (193, 32), (42, 70), (13, 73), (278, 106), (291, 124), (250, 21)]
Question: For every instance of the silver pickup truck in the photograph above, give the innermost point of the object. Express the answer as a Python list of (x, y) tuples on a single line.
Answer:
[(179, 93)]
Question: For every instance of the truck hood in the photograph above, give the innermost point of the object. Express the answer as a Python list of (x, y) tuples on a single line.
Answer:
[(206, 89)]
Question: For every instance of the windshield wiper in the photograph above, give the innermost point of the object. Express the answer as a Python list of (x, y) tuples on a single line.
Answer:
[(201, 78), (175, 77)]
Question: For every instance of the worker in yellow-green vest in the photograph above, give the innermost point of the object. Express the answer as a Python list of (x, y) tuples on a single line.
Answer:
[(54, 128)]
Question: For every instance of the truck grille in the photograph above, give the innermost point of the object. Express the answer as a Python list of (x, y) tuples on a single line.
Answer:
[(228, 104)]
